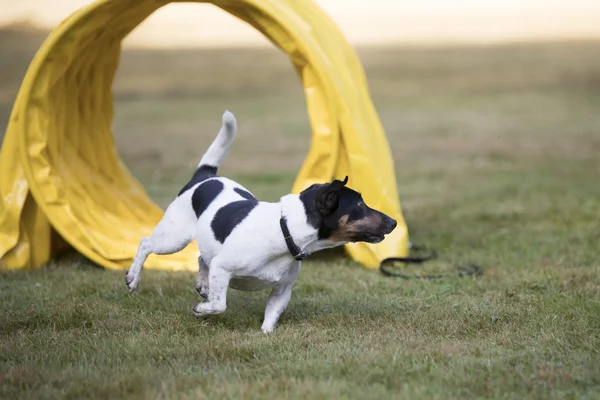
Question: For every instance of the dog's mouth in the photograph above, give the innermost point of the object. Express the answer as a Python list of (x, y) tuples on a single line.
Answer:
[(371, 237), (378, 235), (376, 238), (370, 234)]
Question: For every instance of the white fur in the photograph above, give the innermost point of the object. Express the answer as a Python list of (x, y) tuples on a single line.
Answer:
[(219, 148), (253, 257)]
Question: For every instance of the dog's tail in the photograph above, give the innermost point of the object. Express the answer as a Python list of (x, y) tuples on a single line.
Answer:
[(219, 148)]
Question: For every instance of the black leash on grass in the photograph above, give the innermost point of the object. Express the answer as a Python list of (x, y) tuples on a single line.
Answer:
[(463, 270)]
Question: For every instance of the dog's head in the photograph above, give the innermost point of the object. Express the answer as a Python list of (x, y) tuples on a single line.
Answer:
[(341, 215)]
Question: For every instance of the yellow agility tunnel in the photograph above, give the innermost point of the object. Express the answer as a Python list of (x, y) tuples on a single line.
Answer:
[(62, 184)]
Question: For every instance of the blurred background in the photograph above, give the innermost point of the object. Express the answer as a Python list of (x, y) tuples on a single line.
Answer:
[(492, 112), (476, 97)]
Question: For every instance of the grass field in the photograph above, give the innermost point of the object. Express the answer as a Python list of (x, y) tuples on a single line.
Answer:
[(496, 155)]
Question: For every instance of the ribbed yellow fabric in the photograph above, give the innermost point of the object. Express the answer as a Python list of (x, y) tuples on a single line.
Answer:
[(62, 182)]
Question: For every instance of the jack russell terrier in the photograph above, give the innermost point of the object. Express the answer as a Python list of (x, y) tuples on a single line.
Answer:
[(252, 245)]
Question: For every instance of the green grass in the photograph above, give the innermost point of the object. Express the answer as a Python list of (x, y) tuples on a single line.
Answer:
[(496, 155)]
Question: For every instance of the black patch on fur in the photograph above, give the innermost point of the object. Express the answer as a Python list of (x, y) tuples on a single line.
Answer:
[(205, 194), (347, 201), (348, 204), (202, 173), (245, 194), (308, 197), (230, 216), (327, 205)]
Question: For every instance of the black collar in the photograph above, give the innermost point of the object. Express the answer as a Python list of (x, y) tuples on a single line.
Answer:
[(292, 247)]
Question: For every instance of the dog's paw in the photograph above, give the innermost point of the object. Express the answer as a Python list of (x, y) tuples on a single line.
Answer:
[(132, 281), (267, 329), (198, 311)]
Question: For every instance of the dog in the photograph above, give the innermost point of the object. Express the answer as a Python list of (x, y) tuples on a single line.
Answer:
[(251, 245)]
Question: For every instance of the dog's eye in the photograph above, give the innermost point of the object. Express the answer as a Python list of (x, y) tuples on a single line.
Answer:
[(356, 213)]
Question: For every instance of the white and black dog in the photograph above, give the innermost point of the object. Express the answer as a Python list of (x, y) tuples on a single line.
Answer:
[(251, 245)]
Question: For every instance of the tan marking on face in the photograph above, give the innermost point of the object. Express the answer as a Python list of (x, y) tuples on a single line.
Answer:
[(344, 220), (348, 231)]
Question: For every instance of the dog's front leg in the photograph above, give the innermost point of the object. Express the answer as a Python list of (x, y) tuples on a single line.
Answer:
[(276, 304), (218, 281)]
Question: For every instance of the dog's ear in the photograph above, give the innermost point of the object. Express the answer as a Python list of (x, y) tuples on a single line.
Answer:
[(339, 184), (328, 197)]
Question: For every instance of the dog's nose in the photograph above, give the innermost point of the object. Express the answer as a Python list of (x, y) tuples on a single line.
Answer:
[(393, 223)]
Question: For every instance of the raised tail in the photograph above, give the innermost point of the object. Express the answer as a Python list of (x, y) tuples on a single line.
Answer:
[(216, 153), (219, 148)]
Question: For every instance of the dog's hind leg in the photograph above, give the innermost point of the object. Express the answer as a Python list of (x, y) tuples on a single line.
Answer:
[(171, 235), (202, 278), (133, 274), (218, 282)]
